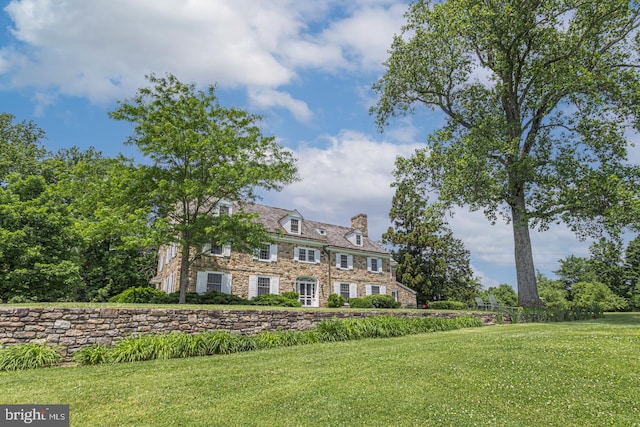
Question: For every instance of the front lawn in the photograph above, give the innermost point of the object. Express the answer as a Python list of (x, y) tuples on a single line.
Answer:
[(558, 374)]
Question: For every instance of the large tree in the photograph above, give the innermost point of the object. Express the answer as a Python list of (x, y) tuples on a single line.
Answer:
[(114, 248), (201, 155), (538, 96), (20, 148), (430, 259)]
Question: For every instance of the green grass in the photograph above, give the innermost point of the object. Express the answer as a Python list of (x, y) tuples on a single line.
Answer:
[(557, 374)]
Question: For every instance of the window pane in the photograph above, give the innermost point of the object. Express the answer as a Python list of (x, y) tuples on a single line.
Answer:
[(302, 254), (344, 261), (264, 285), (216, 249), (214, 282), (265, 252), (374, 264), (375, 289), (344, 290), (295, 226), (224, 210)]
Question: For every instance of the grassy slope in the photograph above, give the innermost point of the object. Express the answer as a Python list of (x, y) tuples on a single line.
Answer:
[(567, 374)]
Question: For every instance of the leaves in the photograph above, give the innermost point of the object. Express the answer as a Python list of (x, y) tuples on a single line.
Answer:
[(201, 154), (539, 97)]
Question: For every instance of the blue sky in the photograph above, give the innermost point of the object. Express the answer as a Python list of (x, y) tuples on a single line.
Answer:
[(307, 67)]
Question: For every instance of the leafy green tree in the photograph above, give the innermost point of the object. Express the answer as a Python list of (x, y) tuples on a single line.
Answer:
[(632, 272), (37, 257), (430, 260), (574, 269), (553, 293), (597, 294), (606, 263), (506, 74), (201, 155), (20, 148), (115, 252), (505, 295)]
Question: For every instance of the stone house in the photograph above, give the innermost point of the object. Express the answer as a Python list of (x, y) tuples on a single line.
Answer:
[(309, 257)]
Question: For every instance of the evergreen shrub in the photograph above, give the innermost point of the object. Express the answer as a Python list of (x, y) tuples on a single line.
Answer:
[(447, 305)]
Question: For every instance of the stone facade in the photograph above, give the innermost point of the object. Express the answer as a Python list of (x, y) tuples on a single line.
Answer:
[(73, 328), (316, 260)]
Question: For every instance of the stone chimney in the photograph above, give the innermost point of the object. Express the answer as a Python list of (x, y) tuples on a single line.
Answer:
[(359, 222)]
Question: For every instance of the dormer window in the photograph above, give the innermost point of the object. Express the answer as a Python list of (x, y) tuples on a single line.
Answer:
[(222, 208), (292, 223), (355, 238), (321, 231)]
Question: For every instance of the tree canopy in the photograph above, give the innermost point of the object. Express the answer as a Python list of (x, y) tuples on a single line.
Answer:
[(201, 155), (430, 259), (538, 96)]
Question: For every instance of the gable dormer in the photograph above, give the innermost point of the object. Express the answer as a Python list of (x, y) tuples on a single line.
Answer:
[(292, 223), (355, 237), (223, 207)]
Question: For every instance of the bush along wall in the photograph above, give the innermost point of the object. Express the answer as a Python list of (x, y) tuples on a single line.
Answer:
[(181, 344)]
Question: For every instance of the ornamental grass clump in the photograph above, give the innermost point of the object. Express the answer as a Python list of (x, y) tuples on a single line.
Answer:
[(93, 355), (29, 356)]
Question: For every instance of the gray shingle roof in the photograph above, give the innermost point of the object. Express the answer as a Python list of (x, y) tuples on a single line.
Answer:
[(335, 235)]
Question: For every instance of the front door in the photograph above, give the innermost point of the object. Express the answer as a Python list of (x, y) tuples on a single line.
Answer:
[(308, 290)]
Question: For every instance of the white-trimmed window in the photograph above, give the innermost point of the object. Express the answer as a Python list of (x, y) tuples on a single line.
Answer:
[(344, 262), (292, 223), (267, 252), (355, 238), (261, 285), (394, 294), (374, 265), (207, 281), (306, 255), (376, 289), (216, 250), (347, 290), (223, 208)]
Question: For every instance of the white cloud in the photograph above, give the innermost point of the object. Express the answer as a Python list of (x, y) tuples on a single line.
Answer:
[(351, 175), (267, 98), (102, 50)]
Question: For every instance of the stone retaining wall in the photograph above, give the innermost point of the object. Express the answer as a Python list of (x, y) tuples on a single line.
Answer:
[(73, 328)]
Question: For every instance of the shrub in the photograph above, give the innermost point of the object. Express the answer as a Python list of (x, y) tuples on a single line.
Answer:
[(383, 301), (335, 301), (136, 295), (374, 301), (275, 300), (291, 295), (215, 297), (360, 303), (29, 356), (174, 298), (447, 305)]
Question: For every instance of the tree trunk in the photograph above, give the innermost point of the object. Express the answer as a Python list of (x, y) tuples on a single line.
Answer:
[(184, 273), (525, 270)]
